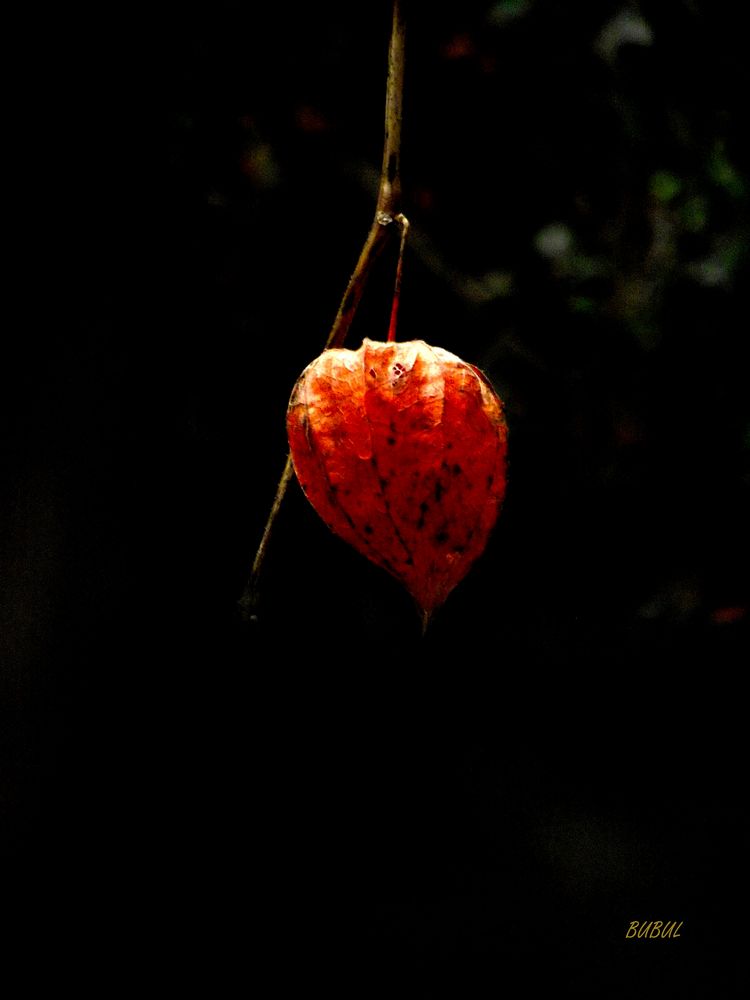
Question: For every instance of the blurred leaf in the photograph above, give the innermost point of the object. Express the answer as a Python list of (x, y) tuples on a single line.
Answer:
[(695, 214), (731, 250), (494, 285), (258, 163), (583, 267), (554, 240), (720, 267), (723, 173), (625, 28), (503, 13), (709, 272), (665, 186), (582, 304)]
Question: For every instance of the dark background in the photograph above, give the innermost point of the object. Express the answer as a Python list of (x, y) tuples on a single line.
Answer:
[(324, 796)]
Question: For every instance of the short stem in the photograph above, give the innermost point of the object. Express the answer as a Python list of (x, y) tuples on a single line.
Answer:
[(404, 223)]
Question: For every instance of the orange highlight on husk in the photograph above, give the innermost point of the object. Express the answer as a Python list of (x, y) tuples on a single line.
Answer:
[(401, 449)]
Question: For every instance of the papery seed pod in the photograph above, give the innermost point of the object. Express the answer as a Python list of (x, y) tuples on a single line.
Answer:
[(401, 449)]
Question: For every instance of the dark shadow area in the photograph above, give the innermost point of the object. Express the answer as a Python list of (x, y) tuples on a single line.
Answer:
[(323, 796)]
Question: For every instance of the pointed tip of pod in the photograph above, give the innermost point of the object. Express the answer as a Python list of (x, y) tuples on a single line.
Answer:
[(426, 618)]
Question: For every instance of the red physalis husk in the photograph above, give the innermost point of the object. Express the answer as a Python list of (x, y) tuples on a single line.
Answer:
[(401, 449)]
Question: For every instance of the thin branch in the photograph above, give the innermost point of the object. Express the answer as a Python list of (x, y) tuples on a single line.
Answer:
[(389, 191), (389, 196), (249, 600), (386, 212)]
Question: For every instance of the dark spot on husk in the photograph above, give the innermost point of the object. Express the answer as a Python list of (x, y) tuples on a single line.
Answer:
[(349, 521), (368, 529), (456, 469), (441, 537), (439, 490)]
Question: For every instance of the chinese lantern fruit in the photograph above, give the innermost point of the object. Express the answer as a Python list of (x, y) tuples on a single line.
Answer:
[(401, 449)]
